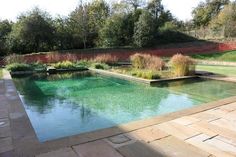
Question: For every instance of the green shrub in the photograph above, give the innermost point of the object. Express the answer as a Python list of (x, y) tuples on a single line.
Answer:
[(100, 66), (65, 65), (146, 74), (14, 58), (84, 63), (39, 66), (146, 61), (182, 65), (14, 67), (106, 58)]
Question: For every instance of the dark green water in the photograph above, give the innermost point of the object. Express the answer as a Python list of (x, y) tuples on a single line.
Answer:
[(68, 104)]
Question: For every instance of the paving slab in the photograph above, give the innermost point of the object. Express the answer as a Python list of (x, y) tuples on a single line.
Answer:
[(205, 116), (171, 146), (7, 154), (222, 145), (186, 120), (3, 112), (148, 134), (229, 107), (64, 152), (180, 131), (203, 129), (218, 130), (140, 149), (96, 149), (231, 116), (5, 144), (200, 142), (225, 123), (5, 131)]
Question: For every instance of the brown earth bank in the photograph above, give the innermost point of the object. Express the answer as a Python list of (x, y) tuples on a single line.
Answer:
[(123, 54)]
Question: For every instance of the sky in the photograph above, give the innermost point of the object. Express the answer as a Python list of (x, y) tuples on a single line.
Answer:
[(10, 9)]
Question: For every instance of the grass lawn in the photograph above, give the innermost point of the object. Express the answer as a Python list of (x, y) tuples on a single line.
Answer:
[(223, 70), (0, 73), (229, 56)]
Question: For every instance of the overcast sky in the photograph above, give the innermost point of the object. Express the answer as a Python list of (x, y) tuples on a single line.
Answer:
[(10, 9)]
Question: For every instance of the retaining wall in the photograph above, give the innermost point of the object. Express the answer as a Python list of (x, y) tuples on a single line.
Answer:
[(124, 54)]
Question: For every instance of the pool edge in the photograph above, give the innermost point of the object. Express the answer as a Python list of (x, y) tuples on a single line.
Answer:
[(26, 143)]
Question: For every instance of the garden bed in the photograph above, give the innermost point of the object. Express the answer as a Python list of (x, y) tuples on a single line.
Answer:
[(138, 79)]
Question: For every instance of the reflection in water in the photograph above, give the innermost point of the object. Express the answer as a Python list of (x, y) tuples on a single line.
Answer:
[(66, 104)]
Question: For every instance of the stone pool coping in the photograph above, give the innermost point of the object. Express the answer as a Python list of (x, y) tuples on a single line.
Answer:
[(137, 79), (25, 142)]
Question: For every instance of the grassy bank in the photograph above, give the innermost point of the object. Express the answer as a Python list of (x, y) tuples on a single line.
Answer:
[(0, 73), (229, 56), (223, 70)]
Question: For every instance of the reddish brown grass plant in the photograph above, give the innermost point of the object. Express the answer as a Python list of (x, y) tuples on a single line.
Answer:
[(182, 65), (106, 58), (146, 61)]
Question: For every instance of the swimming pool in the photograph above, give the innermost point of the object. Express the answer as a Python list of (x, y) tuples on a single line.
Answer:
[(67, 104)]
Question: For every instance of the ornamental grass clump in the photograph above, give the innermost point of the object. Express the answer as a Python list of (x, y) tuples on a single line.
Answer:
[(53, 57), (64, 65), (106, 58), (146, 61), (14, 58), (182, 65)]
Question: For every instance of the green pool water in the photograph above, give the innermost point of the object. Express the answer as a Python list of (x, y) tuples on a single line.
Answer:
[(67, 104)]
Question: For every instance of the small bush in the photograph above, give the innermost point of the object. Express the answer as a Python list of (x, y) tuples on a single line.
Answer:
[(146, 61), (106, 58), (84, 63), (64, 65), (39, 66), (100, 66), (14, 67), (182, 65), (14, 58), (146, 74)]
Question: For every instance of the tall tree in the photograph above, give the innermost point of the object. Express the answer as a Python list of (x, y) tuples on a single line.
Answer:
[(64, 34), (206, 11), (80, 18), (98, 12), (111, 34), (144, 30), (5, 29), (32, 32), (226, 20), (135, 3), (156, 8)]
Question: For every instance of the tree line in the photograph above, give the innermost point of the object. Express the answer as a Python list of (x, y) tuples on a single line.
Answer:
[(93, 24), (215, 15)]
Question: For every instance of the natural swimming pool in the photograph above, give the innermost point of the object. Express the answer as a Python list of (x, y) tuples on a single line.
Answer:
[(61, 105)]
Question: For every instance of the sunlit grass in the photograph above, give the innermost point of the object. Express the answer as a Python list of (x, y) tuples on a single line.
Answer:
[(229, 56), (223, 70)]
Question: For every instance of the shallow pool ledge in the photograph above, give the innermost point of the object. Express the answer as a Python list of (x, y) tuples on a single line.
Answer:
[(136, 79)]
